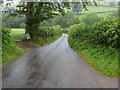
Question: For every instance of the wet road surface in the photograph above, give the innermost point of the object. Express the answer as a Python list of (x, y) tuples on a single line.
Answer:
[(54, 65)]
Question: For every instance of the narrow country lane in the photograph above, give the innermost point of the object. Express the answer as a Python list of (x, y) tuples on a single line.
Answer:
[(54, 65)]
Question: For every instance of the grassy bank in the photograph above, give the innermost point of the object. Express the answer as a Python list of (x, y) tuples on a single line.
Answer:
[(11, 52), (102, 58)]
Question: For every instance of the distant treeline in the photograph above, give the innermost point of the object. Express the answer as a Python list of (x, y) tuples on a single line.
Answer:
[(13, 22)]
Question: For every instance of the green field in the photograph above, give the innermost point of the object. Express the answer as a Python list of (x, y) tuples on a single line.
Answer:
[(107, 3), (94, 9), (99, 9), (100, 14), (17, 32), (104, 14)]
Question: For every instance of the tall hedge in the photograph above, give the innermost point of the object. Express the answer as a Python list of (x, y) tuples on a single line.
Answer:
[(107, 32)]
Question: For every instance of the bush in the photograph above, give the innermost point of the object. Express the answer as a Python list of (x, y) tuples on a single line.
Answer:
[(9, 49), (107, 32), (57, 30), (6, 36), (13, 22), (49, 31), (77, 30), (63, 20), (46, 35), (98, 43)]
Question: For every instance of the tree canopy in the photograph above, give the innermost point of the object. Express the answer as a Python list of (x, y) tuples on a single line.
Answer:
[(37, 12)]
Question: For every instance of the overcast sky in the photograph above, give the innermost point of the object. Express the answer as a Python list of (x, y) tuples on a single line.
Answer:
[(15, 1)]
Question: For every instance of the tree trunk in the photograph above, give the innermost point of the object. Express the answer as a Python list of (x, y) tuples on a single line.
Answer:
[(30, 19)]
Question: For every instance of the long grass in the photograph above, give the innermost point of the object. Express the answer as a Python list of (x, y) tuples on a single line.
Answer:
[(11, 52)]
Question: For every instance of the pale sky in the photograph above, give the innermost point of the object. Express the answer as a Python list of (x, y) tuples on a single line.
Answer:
[(15, 1)]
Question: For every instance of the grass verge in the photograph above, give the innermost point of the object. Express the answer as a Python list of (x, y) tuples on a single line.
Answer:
[(102, 58), (11, 52)]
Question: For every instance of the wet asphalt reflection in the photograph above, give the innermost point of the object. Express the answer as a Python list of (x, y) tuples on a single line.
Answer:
[(54, 65)]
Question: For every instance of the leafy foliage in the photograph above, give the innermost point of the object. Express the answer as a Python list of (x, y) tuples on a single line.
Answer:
[(6, 36), (46, 34), (77, 30), (49, 31), (98, 43), (13, 22), (9, 49), (36, 12), (91, 18), (63, 20), (107, 32)]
